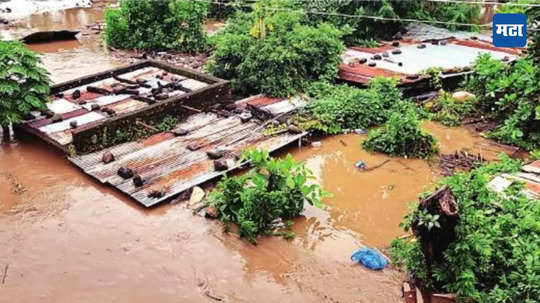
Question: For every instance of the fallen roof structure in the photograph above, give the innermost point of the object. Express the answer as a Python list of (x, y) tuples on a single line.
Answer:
[(408, 58), (83, 107), (86, 115), (169, 165)]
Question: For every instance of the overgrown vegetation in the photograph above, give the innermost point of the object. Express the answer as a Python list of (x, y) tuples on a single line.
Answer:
[(157, 25), (494, 257), (511, 8), (274, 189), (402, 136), (24, 84), (446, 12), (335, 108), (275, 52), (509, 94), (359, 29), (448, 110)]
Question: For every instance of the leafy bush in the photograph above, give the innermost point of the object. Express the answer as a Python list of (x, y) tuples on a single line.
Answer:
[(494, 257), (402, 136), (157, 25), (358, 30), (510, 8), (447, 12), (339, 107), (273, 189), (449, 111), (509, 93), (24, 85), (533, 15), (274, 52)]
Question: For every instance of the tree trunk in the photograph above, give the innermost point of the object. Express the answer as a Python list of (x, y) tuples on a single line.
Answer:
[(5, 134)]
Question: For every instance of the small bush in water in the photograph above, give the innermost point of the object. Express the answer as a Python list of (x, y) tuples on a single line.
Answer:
[(402, 136), (273, 189), (157, 25), (494, 257)]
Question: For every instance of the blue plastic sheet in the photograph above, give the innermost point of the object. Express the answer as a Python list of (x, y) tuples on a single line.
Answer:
[(370, 258)]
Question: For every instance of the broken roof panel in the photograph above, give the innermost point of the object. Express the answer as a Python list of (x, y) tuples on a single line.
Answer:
[(171, 164), (97, 98)]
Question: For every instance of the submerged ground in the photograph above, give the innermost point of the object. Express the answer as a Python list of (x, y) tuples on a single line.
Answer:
[(66, 238)]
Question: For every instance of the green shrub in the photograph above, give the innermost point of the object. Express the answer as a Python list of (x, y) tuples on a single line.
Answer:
[(446, 12), (509, 93), (402, 136), (24, 85), (509, 8), (494, 257), (533, 50), (358, 30), (448, 111), (157, 25), (273, 189), (335, 108), (277, 54)]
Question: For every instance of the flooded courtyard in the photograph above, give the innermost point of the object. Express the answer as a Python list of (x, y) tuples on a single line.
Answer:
[(65, 237)]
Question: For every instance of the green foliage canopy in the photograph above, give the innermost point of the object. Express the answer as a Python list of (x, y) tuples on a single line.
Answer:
[(157, 25), (275, 52), (24, 84), (340, 107)]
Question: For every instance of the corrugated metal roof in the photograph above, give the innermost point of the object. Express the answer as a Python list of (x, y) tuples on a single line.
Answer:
[(171, 164), (116, 94), (411, 57)]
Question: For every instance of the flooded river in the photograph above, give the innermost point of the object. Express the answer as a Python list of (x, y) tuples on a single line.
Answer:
[(66, 238)]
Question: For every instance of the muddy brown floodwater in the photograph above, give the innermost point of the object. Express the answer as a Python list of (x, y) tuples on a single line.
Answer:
[(66, 60), (66, 238)]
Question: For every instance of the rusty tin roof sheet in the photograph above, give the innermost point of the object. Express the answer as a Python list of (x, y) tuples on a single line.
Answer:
[(172, 164)]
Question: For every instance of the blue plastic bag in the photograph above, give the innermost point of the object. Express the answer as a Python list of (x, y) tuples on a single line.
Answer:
[(369, 258)]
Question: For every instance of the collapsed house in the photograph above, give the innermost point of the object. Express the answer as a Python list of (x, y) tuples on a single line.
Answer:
[(94, 119)]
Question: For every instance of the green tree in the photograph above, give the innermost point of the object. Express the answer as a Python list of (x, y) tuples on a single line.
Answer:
[(24, 85), (157, 25), (273, 50)]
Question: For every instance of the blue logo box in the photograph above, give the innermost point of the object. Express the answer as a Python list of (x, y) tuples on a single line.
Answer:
[(509, 30)]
